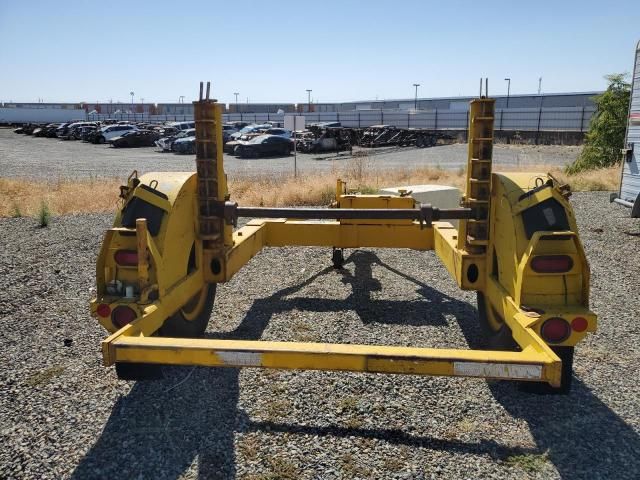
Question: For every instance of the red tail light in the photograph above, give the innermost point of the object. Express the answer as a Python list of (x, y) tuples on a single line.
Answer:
[(579, 324), (551, 263), (122, 316), (103, 310), (555, 330), (126, 258)]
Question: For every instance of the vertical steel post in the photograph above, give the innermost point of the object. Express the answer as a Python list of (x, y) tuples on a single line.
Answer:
[(473, 234), (212, 183)]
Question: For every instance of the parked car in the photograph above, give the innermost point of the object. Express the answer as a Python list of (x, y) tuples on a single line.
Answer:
[(264, 145), (281, 132), (137, 138), (27, 129), (71, 130), (81, 132), (183, 125), (112, 131), (250, 129), (186, 144), (166, 143), (230, 146)]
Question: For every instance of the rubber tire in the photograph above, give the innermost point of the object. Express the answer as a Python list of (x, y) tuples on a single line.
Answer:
[(138, 371), (539, 388), (101, 139), (178, 326), (501, 339), (420, 142), (337, 258)]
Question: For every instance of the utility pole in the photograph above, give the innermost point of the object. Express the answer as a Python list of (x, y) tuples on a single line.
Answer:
[(309, 99), (508, 80)]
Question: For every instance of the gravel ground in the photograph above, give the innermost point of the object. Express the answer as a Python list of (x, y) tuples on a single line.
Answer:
[(63, 415), (26, 156)]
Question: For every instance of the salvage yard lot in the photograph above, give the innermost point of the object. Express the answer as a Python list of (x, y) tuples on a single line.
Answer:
[(52, 159), (63, 415)]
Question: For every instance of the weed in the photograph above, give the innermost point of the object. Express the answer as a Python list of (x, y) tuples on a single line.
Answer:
[(354, 422), (348, 403), (393, 463), (276, 409), (45, 376), (249, 446), (351, 468), (44, 215), (530, 462), (16, 213), (283, 469)]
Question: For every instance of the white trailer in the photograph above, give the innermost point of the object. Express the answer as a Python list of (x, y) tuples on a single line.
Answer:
[(628, 195), (40, 115)]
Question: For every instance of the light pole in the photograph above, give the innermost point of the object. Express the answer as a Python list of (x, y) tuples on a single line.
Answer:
[(181, 99), (508, 80), (415, 101), (236, 94), (539, 85), (309, 99)]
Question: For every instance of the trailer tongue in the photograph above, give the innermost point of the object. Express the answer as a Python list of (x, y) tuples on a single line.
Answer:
[(516, 244)]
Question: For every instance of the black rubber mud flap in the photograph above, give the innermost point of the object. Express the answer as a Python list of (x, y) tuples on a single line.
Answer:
[(138, 371)]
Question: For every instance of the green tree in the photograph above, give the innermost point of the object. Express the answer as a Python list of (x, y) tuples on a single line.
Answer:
[(606, 133)]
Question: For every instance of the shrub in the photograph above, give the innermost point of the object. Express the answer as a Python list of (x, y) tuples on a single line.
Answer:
[(606, 133), (44, 215)]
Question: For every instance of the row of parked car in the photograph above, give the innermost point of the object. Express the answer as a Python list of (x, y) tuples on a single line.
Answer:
[(118, 134), (240, 138)]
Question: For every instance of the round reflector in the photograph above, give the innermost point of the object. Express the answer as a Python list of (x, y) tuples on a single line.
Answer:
[(579, 324), (103, 310), (122, 316), (555, 330)]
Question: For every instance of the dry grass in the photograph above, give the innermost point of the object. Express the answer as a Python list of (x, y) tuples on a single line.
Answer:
[(19, 197)]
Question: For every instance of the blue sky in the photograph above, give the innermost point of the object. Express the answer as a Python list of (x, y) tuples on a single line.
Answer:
[(343, 50)]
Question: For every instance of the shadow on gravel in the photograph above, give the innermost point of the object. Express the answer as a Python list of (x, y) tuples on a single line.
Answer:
[(582, 436), (188, 420)]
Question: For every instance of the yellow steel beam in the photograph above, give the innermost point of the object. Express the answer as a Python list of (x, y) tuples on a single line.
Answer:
[(154, 314), (526, 365), (468, 270), (335, 234)]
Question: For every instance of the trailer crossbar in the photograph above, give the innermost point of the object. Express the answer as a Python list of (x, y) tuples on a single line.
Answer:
[(527, 365)]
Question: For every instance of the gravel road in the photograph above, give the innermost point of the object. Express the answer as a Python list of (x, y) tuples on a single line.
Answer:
[(63, 415), (47, 158)]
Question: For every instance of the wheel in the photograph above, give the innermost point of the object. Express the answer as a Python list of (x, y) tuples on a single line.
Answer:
[(337, 258), (496, 332), (538, 388), (420, 141), (192, 319), (101, 139), (138, 371), (498, 337)]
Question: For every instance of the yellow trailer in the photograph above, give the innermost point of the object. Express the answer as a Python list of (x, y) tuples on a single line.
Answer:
[(517, 246)]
